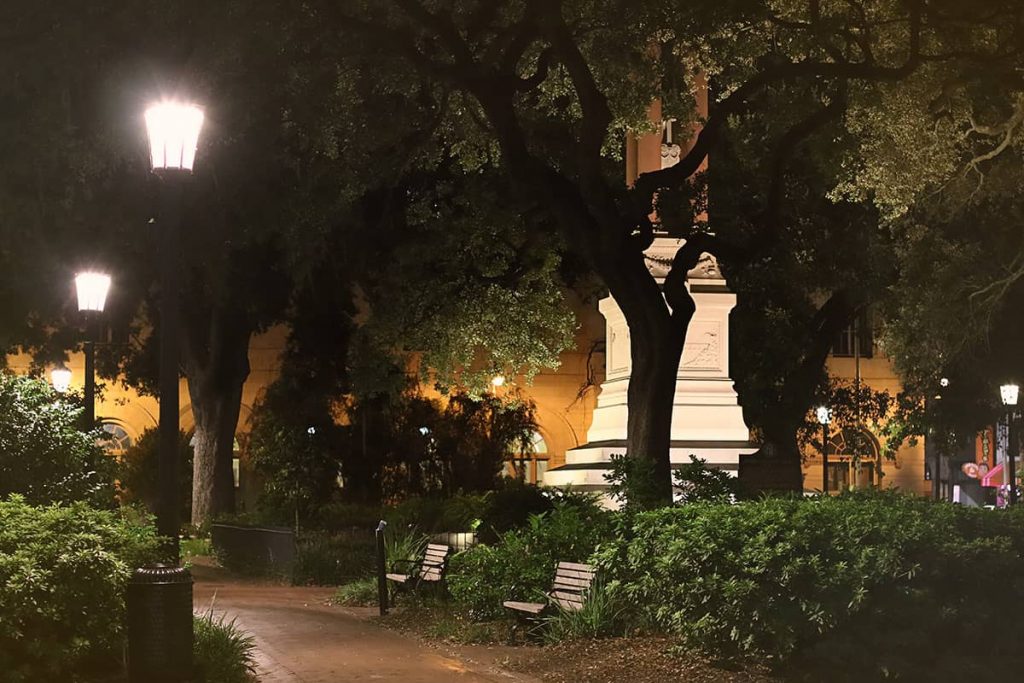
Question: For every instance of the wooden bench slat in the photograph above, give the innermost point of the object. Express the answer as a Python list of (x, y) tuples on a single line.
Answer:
[(568, 596), (400, 578), (439, 547), (573, 581), (529, 607), (575, 566)]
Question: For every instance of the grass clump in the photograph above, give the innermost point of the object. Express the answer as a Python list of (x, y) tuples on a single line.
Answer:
[(222, 652), (358, 593)]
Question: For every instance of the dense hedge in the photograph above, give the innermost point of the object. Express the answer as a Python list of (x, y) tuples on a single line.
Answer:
[(62, 576), (863, 587)]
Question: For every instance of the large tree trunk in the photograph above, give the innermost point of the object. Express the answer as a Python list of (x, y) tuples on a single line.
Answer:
[(216, 371), (652, 385)]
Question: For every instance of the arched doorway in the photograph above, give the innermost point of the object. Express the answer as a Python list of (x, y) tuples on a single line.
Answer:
[(854, 459)]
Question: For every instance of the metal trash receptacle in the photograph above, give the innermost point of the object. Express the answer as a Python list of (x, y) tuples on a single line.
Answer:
[(159, 624)]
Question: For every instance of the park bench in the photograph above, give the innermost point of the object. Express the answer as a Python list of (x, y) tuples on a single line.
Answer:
[(568, 591), (429, 569)]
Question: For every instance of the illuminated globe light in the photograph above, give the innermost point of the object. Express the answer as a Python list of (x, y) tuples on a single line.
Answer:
[(92, 291), (173, 129), (61, 378), (824, 414), (1009, 394), (498, 381), (944, 382)]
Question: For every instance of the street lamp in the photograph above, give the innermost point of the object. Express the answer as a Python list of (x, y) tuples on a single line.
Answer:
[(173, 129), (1009, 393), (824, 415), (92, 288), (61, 378)]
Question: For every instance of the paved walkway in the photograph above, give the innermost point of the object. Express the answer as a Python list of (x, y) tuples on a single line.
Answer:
[(301, 639)]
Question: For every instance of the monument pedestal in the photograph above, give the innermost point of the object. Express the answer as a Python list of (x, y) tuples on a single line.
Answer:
[(707, 420)]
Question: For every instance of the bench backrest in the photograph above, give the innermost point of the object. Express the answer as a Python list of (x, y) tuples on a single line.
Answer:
[(572, 581), (435, 562)]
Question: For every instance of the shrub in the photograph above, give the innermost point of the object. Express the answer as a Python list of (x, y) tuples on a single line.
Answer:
[(222, 652), (63, 570), (696, 482), (520, 566), (139, 472), (45, 457), (859, 586), (510, 507), (332, 559)]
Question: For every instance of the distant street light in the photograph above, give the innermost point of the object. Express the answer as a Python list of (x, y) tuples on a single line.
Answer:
[(1009, 393), (61, 378), (173, 129), (824, 415), (92, 289), (498, 381)]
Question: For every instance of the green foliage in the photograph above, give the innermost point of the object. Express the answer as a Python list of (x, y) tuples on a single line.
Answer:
[(600, 617), (511, 507), (359, 593), (63, 571), (43, 454), (520, 565), (404, 545), (415, 446), (221, 651), (696, 482), (139, 471), (333, 559), (816, 584)]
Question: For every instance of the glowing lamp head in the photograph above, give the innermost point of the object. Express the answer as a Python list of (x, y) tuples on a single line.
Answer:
[(61, 378), (824, 414), (92, 291), (173, 129), (498, 381), (944, 382), (1009, 393)]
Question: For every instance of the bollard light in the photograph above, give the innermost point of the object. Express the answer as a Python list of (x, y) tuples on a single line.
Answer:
[(173, 129)]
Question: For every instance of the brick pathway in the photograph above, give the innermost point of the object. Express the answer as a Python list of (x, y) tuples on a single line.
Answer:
[(301, 639)]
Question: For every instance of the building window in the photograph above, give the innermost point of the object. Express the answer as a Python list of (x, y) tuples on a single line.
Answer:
[(857, 339), (117, 440), (853, 458), (532, 465)]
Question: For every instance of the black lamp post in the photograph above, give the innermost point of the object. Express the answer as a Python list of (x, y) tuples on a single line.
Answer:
[(173, 129), (160, 597), (92, 289), (824, 415), (1009, 393)]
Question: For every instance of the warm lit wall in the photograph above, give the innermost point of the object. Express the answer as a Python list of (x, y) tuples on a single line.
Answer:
[(906, 472)]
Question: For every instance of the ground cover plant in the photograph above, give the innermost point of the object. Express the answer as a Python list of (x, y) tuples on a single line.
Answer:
[(63, 570)]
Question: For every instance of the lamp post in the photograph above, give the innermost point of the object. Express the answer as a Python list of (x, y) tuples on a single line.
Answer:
[(92, 289), (173, 129), (61, 378), (824, 415), (1009, 393), (159, 597)]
